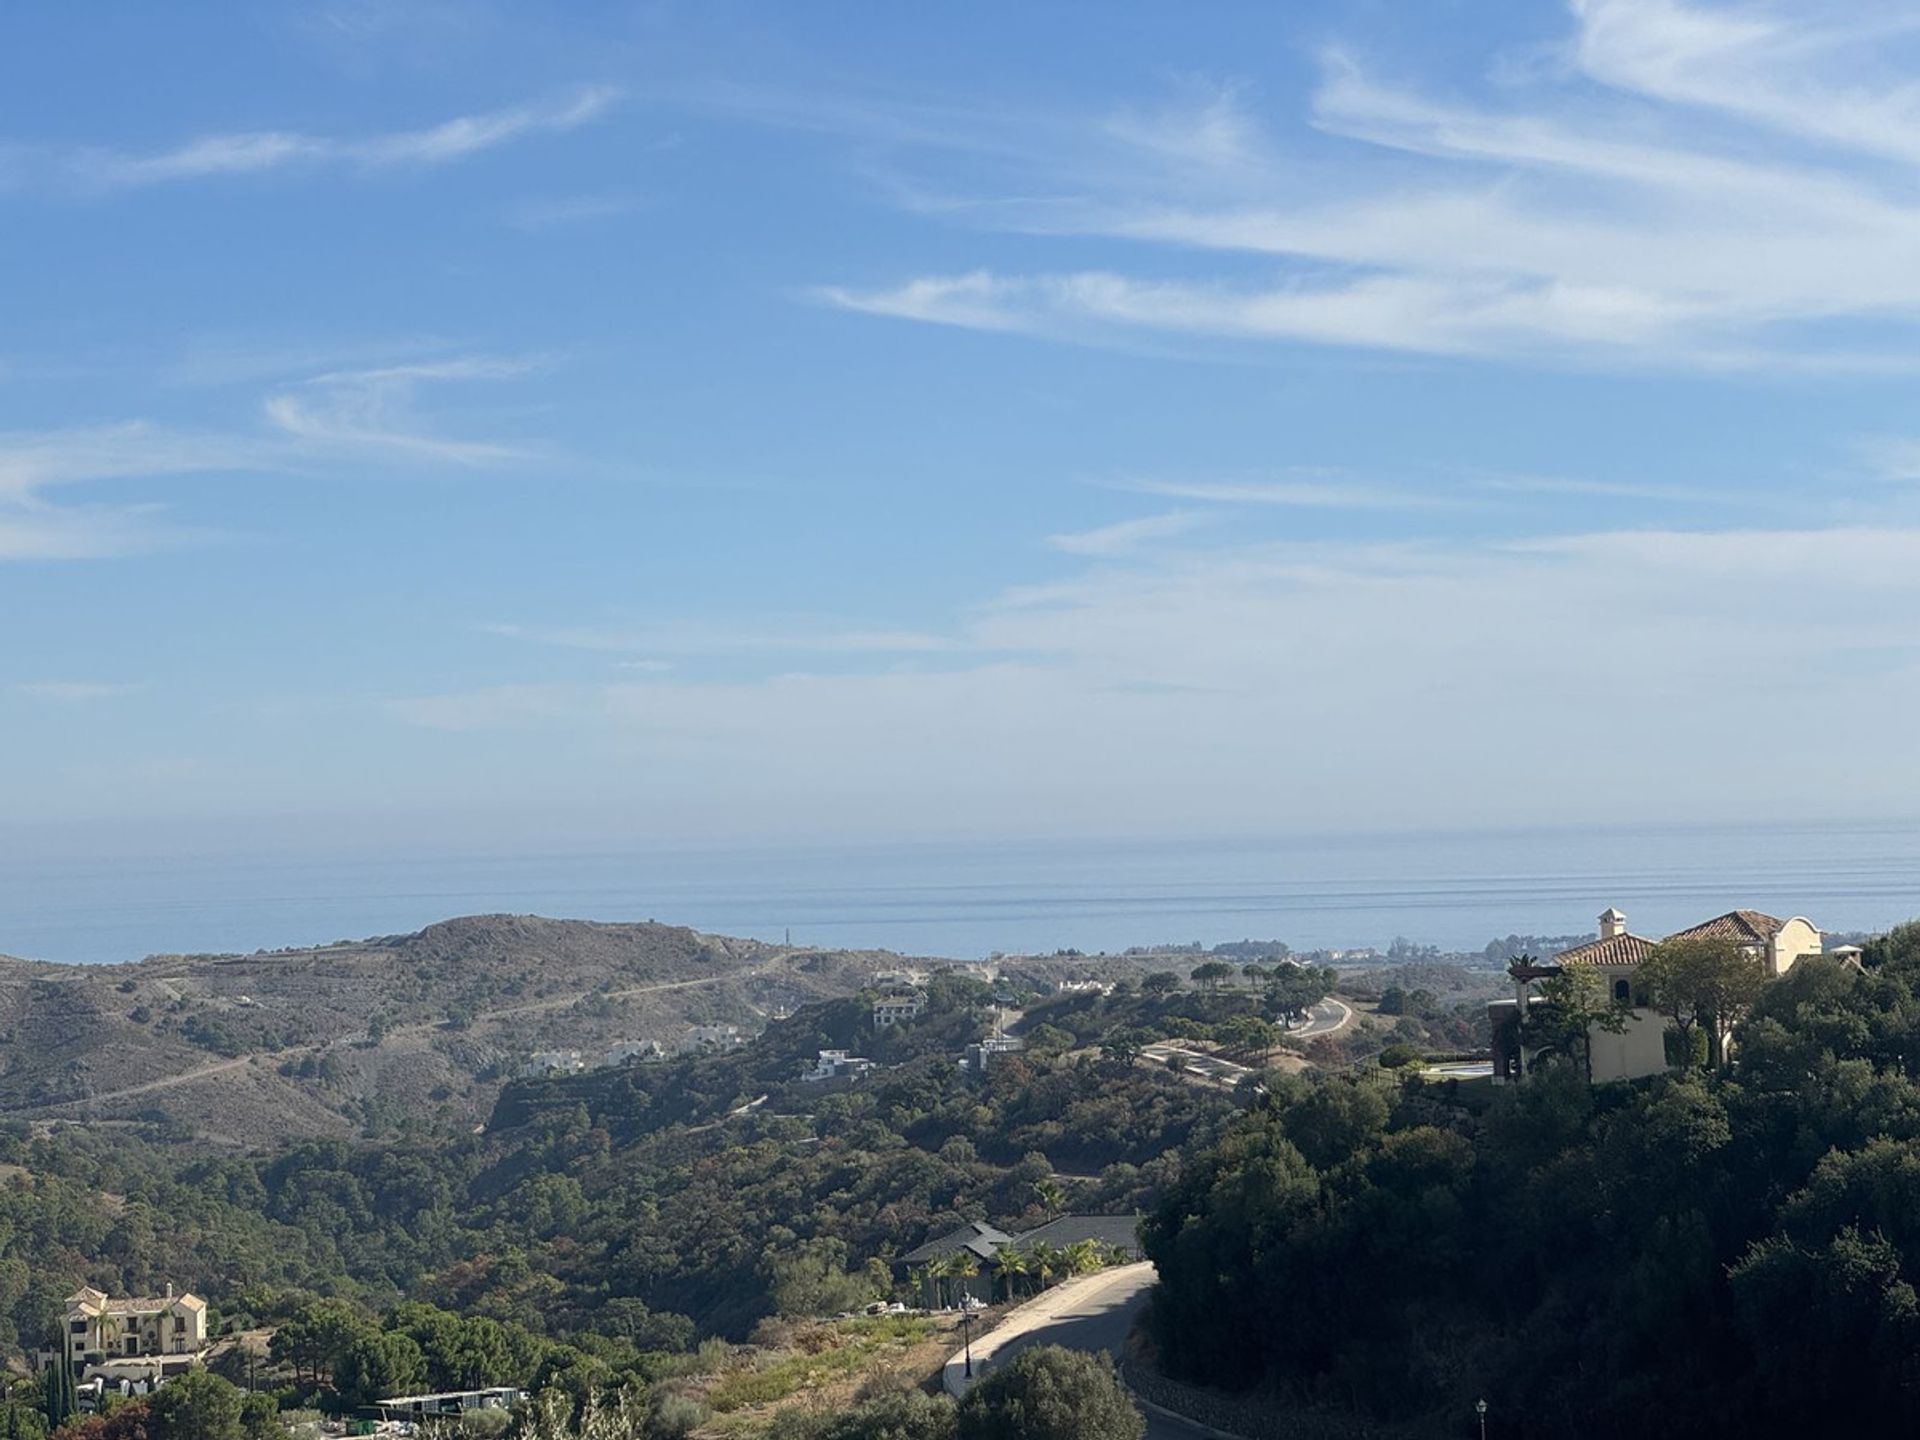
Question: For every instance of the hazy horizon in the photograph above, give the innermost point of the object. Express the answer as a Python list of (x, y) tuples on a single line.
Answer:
[(966, 899)]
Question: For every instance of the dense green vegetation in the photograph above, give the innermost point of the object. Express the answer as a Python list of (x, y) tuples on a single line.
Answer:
[(1732, 1250), (604, 1221)]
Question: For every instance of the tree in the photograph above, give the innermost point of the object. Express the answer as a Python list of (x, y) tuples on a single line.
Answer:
[(1048, 1393), (1083, 1257), (1575, 1008), (377, 1365), (1248, 1033), (1052, 1198), (1013, 1264), (1296, 989), (1046, 1261), (61, 1402), (811, 1278), (197, 1406), (962, 1265), (1160, 983), (1123, 1047), (1703, 981), (260, 1418), (1212, 973)]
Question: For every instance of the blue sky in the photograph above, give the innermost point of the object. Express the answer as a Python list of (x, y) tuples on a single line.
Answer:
[(490, 424)]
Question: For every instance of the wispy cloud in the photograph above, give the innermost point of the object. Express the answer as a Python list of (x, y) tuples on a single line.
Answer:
[(1311, 490), (41, 531), (556, 213), (32, 460), (1633, 205), (311, 426), (257, 151), (1893, 457), (775, 636), (70, 692), (372, 411), (1126, 536)]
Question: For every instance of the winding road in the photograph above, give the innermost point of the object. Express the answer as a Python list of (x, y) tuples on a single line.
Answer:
[(1204, 1067), (1095, 1314)]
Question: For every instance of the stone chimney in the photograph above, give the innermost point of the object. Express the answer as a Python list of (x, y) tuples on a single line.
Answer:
[(169, 1290), (1612, 923)]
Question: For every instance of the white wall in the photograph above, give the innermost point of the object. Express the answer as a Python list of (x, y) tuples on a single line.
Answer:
[(1638, 1050)]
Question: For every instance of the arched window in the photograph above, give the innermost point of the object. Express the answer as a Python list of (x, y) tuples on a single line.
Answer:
[(1622, 992)]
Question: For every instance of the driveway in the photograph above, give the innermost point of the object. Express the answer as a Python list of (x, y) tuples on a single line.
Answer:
[(1094, 1313)]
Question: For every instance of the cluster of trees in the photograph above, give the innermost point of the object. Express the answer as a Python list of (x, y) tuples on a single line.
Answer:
[(608, 1217), (1733, 1248), (1019, 1270), (193, 1406), (415, 1346)]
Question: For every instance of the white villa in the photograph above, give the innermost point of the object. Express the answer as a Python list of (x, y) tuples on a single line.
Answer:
[(1615, 958), (836, 1065), (135, 1339), (897, 1009)]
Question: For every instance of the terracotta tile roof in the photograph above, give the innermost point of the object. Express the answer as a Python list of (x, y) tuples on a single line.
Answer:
[(1744, 927), (153, 1304), (1614, 950)]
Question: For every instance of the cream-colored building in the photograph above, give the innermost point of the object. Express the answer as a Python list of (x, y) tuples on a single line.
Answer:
[(1777, 943), (158, 1335), (1639, 1048)]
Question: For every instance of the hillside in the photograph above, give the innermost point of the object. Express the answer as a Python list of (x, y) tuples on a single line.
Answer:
[(371, 1035)]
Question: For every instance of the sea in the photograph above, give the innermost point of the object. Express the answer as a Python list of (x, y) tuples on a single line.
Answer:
[(970, 900)]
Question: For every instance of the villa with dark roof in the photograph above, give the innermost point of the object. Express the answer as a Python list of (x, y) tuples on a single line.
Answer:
[(1615, 958), (1112, 1234)]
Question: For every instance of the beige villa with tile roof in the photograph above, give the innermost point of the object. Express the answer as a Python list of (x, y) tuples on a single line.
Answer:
[(1615, 958), (159, 1333)]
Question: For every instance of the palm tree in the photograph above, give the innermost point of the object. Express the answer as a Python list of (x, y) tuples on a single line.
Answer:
[(1083, 1257), (937, 1271), (917, 1279), (1013, 1264), (106, 1331), (1046, 1262), (963, 1265), (1051, 1197)]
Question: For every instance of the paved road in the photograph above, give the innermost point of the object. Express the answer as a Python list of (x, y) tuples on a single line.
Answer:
[(1198, 1064), (1325, 1018), (1202, 1066), (1094, 1314)]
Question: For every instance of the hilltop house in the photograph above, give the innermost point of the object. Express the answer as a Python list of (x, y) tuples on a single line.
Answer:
[(135, 1339), (1615, 958)]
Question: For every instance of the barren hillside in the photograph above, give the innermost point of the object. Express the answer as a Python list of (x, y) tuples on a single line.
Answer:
[(339, 1038)]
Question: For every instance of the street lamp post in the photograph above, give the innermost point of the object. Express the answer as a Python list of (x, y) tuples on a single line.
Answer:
[(1480, 1409), (966, 1329)]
